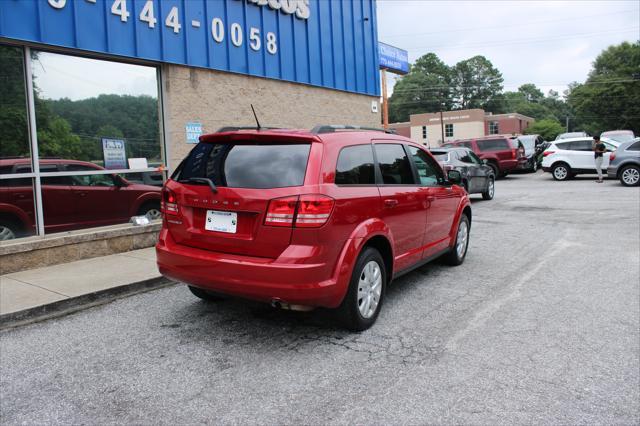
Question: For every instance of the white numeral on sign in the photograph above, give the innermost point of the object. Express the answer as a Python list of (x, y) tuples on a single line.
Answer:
[(146, 15), (254, 37), (217, 29), (119, 7), (57, 4), (172, 20), (236, 34), (272, 46)]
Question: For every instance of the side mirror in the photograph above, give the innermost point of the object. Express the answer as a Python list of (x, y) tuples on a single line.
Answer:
[(454, 177)]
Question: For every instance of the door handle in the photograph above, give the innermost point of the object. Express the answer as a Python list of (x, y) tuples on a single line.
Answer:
[(82, 194), (390, 203)]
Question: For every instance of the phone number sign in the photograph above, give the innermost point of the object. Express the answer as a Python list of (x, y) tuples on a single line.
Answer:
[(281, 39)]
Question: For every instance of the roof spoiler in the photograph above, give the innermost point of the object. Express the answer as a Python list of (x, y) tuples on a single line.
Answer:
[(325, 128), (235, 129)]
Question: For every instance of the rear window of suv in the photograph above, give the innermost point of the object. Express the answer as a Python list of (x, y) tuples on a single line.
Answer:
[(493, 145), (247, 165)]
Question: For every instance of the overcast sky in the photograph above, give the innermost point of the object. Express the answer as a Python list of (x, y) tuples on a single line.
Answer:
[(548, 43)]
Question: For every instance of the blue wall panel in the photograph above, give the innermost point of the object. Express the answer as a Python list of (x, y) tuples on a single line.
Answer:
[(334, 45)]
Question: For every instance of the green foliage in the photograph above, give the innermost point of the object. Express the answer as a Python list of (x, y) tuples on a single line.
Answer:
[(610, 98), (14, 137), (547, 128), (476, 82)]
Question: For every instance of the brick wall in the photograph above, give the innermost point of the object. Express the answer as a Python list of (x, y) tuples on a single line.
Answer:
[(218, 99)]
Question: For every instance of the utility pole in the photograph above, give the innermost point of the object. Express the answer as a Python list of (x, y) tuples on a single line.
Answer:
[(385, 101), (567, 126), (442, 125)]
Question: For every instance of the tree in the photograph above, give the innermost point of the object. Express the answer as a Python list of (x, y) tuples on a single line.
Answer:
[(476, 82), (14, 137), (425, 89), (610, 98), (547, 128)]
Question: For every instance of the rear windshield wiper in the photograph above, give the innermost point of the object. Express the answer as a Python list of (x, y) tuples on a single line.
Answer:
[(201, 180)]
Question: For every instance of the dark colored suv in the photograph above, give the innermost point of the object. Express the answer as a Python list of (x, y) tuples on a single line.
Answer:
[(503, 154), (304, 219), (70, 202)]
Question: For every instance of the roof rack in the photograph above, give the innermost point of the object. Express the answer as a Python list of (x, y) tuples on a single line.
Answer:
[(324, 128), (236, 128)]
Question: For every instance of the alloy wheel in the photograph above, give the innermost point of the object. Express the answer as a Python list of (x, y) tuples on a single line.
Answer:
[(492, 187), (631, 176), (560, 172), (369, 289), (461, 241), (153, 214), (6, 233)]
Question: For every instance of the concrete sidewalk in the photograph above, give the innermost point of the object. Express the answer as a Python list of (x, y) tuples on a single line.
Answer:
[(59, 289)]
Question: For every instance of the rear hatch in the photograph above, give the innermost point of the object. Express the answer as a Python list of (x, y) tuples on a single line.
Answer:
[(229, 216)]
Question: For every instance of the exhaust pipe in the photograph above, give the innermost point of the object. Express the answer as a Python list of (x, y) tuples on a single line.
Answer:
[(279, 304)]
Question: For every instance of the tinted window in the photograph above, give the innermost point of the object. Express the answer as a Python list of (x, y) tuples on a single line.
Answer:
[(428, 171), (475, 158), (466, 144), (493, 145), (634, 147), (464, 157), (563, 145), (441, 155), (248, 165), (585, 145), (355, 166), (394, 165)]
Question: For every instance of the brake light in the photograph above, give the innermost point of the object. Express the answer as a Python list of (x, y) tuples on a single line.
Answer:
[(281, 211), (612, 156), (513, 153), (547, 153), (305, 211), (313, 211), (169, 203)]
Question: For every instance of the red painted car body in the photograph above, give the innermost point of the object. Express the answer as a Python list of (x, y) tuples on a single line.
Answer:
[(70, 202), (302, 265)]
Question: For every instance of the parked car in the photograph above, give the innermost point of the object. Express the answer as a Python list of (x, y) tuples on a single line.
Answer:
[(502, 153), (569, 157), (570, 135), (619, 135), (532, 151), (305, 219), (70, 202), (477, 177), (624, 163)]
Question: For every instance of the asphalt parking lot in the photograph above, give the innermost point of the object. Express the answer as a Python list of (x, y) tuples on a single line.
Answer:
[(541, 324)]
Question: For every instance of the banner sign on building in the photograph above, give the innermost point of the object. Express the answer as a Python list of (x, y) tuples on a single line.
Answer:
[(330, 44), (393, 59), (114, 153), (194, 131)]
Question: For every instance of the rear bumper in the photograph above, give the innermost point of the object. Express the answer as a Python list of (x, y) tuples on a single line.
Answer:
[(612, 172), (546, 169), (287, 279), (508, 165)]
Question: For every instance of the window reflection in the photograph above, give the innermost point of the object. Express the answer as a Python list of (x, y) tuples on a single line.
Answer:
[(17, 212), (14, 130)]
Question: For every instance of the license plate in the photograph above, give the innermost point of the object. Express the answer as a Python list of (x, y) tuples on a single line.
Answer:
[(221, 221)]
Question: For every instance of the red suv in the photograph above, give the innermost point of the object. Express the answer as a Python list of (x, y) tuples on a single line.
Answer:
[(303, 219), (70, 202), (503, 154)]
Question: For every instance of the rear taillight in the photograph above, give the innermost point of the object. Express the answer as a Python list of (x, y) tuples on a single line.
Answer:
[(612, 156), (281, 211), (313, 211), (169, 203), (513, 153), (547, 153), (306, 211)]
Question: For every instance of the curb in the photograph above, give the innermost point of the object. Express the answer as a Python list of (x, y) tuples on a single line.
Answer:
[(79, 303)]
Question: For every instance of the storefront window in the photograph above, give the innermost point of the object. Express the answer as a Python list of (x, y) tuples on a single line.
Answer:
[(17, 208), (14, 128)]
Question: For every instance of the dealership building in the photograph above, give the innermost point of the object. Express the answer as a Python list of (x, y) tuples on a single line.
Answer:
[(431, 130), (96, 89)]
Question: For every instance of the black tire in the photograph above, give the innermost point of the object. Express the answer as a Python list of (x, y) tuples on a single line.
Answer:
[(9, 229), (151, 208), (209, 296), (491, 189), (349, 310), (561, 172), (454, 257), (534, 166), (495, 168), (630, 175)]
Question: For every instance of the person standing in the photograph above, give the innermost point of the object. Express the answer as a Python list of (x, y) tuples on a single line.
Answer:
[(598, 153)]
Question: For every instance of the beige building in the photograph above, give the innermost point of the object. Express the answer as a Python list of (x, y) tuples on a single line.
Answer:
[(431, 130)]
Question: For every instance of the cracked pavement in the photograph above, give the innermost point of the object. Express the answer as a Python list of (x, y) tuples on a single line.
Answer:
[(541, 324)]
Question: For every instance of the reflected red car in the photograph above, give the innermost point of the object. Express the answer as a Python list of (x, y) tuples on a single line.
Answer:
[(503, 154), (303, 219), (70, 202)]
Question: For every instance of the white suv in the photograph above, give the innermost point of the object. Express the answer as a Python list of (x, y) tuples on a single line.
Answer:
[(566, 158)]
